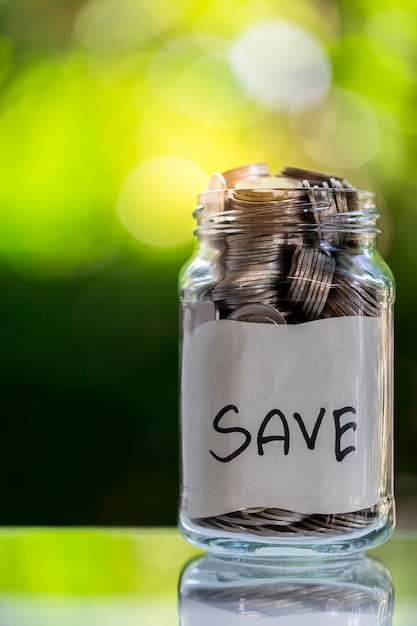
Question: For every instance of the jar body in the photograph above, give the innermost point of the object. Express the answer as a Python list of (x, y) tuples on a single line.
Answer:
[(286, 383)]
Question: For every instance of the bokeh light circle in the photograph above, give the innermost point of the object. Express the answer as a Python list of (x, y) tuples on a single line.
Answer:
[(340, 132), (157, 198), (275, 61), (205, 91), (109, 25), (392, 33)]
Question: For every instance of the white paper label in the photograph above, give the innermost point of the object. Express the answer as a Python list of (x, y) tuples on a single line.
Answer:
[(285, 416)]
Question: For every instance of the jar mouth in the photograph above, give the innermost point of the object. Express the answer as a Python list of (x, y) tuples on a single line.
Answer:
[(299, 209), (288, 191)]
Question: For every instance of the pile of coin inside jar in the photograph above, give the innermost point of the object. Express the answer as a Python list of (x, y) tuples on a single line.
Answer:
[(273, 272)]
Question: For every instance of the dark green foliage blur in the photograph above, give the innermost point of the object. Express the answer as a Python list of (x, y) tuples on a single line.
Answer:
[(89, 396), (111, 114)]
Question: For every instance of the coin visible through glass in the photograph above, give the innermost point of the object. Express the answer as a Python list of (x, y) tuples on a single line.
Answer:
[(283, 259)]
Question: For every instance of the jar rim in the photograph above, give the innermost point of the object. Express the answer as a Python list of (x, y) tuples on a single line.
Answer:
[(282, 208), (287, 189)]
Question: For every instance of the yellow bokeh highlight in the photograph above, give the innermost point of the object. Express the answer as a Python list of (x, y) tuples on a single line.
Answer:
[(157, 198)]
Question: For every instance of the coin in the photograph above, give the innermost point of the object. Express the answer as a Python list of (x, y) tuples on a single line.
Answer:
[(313, 176), (268, 182), (243, 172), (261, 313), (217, 181), (278, 522)]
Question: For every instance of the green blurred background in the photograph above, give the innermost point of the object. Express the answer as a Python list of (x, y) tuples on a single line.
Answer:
[(113, 114)]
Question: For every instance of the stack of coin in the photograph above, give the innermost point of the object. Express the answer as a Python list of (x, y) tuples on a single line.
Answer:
[(271, 200), (350, 297), (256, 269), (325, 187), (257, 255), (279, 522), (271, 251), (314, 177), (311, 277)]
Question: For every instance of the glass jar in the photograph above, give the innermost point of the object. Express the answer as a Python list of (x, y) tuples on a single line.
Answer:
[(287, 372)]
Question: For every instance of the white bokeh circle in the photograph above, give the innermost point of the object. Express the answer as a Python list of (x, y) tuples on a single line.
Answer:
[(275, 61)]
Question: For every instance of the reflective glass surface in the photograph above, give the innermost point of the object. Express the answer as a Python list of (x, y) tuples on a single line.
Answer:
[(154, 578)]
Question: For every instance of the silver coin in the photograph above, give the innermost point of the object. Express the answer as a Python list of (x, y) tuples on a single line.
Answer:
[(355, 292), (316, 288), (313, 176), (324, 287), (322, 203), (340, 196), (300, 272), (267, 522), (261, 313)]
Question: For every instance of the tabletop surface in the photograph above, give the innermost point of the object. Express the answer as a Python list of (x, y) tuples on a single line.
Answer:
[(152, 577)]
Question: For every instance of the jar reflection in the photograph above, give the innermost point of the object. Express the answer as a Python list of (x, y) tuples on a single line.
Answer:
[(226, 592)]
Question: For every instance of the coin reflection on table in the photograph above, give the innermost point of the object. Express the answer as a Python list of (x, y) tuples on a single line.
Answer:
[(222, 592)]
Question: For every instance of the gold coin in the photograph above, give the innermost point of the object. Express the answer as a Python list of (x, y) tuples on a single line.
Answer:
[(273, 182)]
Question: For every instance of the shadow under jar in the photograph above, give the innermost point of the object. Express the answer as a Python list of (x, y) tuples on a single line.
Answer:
[(286, 374)]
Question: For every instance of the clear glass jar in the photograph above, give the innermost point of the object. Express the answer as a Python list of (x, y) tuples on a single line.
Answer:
[(286, 374)]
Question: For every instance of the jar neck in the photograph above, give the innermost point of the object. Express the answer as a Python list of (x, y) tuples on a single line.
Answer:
[(335, 216)]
